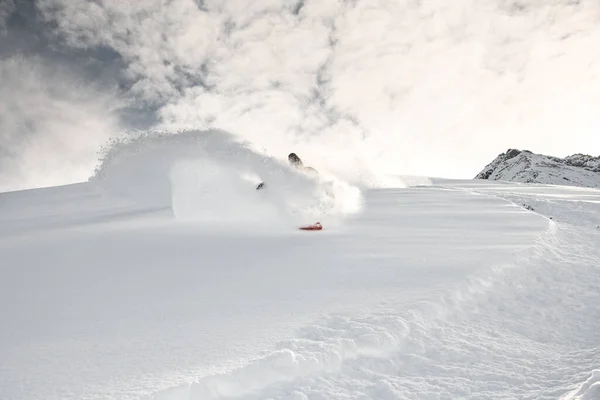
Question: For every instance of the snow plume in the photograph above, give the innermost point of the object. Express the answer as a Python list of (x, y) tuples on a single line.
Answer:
[(365, 88), (51, 124), (211, 177)]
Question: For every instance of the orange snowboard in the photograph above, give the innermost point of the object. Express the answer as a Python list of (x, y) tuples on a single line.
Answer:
[(314, 227)]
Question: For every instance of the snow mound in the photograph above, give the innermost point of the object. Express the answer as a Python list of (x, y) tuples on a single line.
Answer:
[(210, 176), (590, 389), (321, 349), (527, 167)]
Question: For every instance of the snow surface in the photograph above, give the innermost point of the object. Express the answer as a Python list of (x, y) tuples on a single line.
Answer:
[(168, 277), (527, 167)]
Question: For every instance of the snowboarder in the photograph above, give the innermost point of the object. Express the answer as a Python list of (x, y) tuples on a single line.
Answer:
[(295, 161)]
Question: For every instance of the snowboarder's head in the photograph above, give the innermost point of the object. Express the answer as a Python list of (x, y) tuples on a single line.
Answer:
[(294, 160)]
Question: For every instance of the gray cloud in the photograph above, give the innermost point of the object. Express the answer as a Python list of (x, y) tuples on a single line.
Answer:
[(407, 86), (163, 44), (7, 7)]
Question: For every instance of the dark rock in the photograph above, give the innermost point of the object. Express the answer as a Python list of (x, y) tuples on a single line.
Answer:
[(512, 153), (528, 207)]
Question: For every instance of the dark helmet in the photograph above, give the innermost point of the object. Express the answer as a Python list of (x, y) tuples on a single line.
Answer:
[(294, 159)]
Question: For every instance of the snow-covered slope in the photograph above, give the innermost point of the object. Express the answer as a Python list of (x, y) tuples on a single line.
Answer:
[(527, 167), (168, 277)]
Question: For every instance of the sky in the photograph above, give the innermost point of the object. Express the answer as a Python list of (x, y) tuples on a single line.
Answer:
[(408, 87)]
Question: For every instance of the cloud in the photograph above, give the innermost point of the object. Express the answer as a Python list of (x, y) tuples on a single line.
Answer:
[(52, 124), (405, 86), (7, 7), (163, 43)]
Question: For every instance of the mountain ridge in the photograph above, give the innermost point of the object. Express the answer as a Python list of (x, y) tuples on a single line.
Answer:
[(527, 167)]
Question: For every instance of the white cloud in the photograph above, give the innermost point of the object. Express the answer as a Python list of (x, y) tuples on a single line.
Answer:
[(51, 125), (415, 87)]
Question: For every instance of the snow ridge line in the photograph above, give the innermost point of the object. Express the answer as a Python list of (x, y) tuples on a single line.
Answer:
[(552, 226)]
